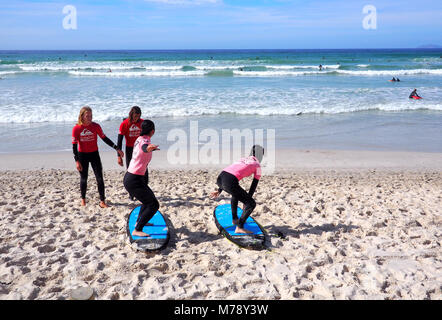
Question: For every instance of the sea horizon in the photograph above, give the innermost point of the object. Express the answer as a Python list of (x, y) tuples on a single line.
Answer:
[(233, 49)]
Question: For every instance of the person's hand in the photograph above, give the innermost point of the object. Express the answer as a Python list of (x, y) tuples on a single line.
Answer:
[(120, 153), (152, 147), (120, 161), (214, 195), (79, 167)]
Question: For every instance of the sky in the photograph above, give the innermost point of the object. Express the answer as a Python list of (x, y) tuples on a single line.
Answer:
[(218, 24)]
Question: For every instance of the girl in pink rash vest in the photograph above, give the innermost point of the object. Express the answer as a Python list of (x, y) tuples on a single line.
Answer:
[(134, 178), (229, 178)]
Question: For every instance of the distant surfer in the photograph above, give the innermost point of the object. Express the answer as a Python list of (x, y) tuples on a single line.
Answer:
[(414, 95), (130, 129), (394, 80), (320, 67), (134, 178), (228, 180), (85, 148)]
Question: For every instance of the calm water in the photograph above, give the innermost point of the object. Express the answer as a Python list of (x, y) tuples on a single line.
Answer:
[(349, 104)]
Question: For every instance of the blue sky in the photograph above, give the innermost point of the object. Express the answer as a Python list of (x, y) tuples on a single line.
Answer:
[(218, 24)]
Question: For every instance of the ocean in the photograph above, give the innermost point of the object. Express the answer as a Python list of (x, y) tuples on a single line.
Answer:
[(348, 105)]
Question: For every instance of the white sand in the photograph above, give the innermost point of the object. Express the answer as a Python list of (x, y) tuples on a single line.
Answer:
[(358, 225)]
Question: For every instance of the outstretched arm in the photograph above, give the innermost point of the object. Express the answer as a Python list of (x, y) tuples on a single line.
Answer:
[(120, 146), (120, 141), (149, 148), (112, 145)]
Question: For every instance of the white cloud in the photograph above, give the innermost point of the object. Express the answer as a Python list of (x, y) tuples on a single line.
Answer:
[(186, 2)]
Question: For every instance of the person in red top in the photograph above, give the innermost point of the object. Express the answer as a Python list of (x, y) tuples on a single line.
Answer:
[(130, 129), (85, 148)]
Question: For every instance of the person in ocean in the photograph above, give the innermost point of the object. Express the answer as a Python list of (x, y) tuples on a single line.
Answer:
[(320, 67), (130, 129), (414, 94), (228, 180), (397, 79), (134, 178), (393, 79), (85, 148)]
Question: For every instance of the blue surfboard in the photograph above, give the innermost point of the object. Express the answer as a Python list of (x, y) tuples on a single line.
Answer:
[(223, 220), (158, 233)]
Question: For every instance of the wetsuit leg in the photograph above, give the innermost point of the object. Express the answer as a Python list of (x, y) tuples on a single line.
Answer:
[(84, 161), (230, 184), (135, 185), (225, 181), (234, 206), (249, 204), (146, 177), (129, 151), (98, 171)]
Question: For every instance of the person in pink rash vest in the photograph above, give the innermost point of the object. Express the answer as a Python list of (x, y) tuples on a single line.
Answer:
[(228, 180), (134, 178)]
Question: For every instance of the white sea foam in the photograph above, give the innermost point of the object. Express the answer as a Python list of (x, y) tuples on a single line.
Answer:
[(138, 74), (390, 72), (204, 67), (180, 104), (217, 67), (267, 73), (65, 68), (7, 72)]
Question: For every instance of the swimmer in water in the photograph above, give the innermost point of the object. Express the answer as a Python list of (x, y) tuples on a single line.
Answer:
[(414, 94)]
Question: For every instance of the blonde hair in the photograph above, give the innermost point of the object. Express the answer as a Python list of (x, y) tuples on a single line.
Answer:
[(82, 112)]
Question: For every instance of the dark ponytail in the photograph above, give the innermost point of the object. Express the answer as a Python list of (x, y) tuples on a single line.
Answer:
[(146, 127), (257, 151)]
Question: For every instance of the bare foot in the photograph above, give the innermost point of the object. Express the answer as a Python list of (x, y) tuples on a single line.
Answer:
[(242, 230), (103, 204), (139, 234), (83, 202)]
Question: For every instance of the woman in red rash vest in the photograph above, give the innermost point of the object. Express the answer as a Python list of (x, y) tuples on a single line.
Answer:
[(85, 148), (130, 129)]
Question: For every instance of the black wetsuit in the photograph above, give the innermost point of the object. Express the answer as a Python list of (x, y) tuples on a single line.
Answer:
[(94, 159), (229, 183), (136, 186), (413, 94)]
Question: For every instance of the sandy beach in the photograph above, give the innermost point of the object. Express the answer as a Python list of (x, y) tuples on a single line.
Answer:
[(357, 225)]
